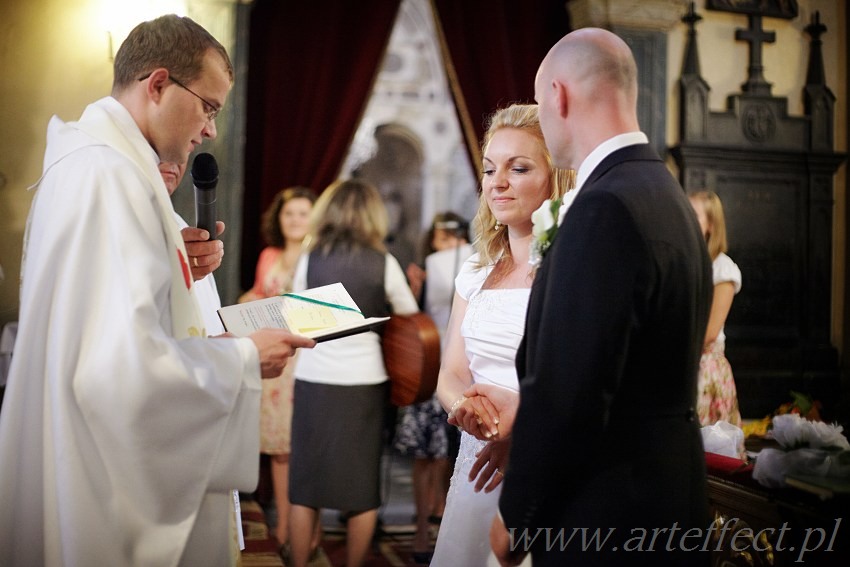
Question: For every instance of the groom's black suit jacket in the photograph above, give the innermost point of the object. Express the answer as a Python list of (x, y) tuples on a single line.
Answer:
[(606, 436)]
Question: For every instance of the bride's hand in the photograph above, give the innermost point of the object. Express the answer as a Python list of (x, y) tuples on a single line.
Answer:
[(477, 416), (489, 465), (496, 406)]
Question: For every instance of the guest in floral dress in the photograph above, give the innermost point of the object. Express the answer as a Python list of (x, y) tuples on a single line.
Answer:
[(717, 396), (284, 224)]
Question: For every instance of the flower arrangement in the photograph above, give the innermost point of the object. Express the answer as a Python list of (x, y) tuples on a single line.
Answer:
[(545, 220), (811, 448), (794, 432)]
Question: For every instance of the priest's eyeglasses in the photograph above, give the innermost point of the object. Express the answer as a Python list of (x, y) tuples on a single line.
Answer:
[(210, 109)]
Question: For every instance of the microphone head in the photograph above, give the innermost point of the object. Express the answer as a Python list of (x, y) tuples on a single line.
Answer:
[(204, 171)]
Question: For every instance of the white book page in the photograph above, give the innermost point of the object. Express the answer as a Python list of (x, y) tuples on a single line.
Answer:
[(320, 321)]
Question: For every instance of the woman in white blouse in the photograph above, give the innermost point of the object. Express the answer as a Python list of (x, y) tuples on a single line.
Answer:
[(341, 389)]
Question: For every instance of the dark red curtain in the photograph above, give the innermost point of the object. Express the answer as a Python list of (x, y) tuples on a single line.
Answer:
[(494, 48), (311, 66)]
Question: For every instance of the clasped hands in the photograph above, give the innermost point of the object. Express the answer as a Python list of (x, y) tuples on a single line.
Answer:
[(487, 412)]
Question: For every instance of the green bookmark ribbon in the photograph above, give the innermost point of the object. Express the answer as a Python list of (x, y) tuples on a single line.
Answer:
[(320, 302)]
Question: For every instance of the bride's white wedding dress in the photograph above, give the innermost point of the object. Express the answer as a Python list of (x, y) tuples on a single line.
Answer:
[(492, 330)]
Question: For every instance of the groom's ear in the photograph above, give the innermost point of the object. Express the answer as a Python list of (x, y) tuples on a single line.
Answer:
[(560, 95)]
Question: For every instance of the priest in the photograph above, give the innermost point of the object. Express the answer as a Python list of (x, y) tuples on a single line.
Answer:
[(124, 428)]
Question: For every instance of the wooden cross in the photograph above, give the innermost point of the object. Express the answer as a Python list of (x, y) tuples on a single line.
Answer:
[(755, 36)]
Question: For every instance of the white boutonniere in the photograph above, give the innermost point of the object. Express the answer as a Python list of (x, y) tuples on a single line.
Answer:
[(545, 220)]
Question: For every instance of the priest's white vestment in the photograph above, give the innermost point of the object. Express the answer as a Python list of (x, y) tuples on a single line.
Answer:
[(123, 429)]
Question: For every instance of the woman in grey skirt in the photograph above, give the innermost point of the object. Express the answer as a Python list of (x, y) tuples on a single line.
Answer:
[(341, 388)]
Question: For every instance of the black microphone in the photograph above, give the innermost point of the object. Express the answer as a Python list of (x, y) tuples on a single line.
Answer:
[(205, 178)]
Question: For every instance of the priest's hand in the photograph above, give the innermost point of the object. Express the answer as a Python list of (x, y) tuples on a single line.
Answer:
[(275, 347), (500, 541), (205, 255)]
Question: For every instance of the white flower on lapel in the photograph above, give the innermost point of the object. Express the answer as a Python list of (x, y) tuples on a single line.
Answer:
[(543, 218), (545, 222)]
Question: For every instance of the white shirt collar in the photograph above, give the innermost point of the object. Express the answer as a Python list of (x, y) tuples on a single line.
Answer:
[(593, 159), (605, 149)]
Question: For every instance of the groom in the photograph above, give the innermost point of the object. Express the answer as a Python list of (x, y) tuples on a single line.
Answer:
[(605, 436)]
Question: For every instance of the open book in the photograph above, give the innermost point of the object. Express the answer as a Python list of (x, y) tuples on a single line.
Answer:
[(322, 313)]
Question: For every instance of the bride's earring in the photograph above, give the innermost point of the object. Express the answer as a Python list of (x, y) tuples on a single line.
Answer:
[(497, 226)]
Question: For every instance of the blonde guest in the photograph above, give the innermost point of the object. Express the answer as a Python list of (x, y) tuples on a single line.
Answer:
[(341, 393)]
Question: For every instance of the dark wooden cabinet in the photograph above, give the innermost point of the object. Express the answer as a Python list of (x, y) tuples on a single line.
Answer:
[(773, 527)]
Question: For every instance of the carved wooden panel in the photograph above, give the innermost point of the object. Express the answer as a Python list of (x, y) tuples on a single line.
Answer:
[(778, 528), (774, 174)]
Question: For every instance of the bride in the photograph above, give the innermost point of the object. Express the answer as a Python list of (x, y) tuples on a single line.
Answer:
[(488, 318)]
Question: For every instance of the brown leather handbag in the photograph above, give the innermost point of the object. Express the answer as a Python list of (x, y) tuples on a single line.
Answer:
[(411, 346)]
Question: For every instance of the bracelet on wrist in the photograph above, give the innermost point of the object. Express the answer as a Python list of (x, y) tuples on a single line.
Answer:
[(456, 406)]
